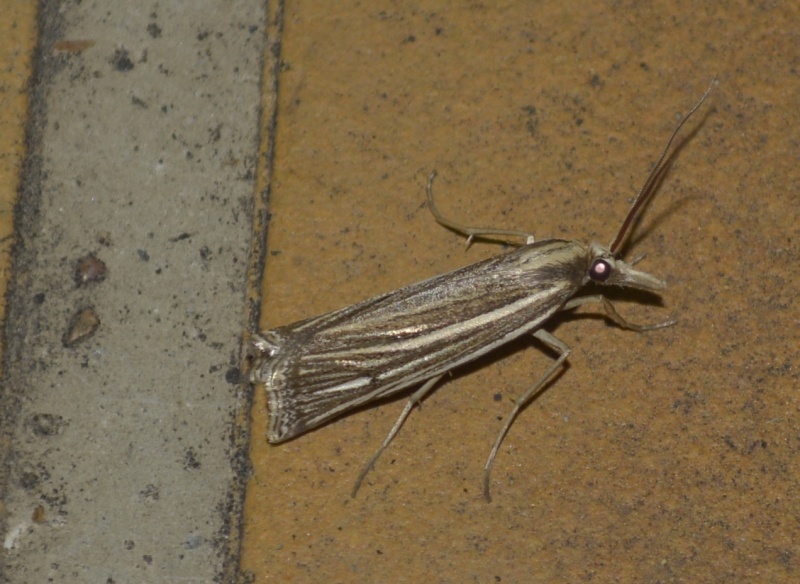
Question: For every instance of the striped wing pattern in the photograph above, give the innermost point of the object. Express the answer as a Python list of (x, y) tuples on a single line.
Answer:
[(317, 369)]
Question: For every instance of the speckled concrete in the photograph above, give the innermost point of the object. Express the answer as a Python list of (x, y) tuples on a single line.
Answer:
[(122, 461), (662, 457)]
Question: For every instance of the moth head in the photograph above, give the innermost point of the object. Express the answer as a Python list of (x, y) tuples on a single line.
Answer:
[(605, 266), (607, 270)]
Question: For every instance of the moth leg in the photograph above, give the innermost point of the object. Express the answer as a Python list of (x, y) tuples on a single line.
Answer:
[(612, 313), (412, 401), (563, 350), (471, 232)]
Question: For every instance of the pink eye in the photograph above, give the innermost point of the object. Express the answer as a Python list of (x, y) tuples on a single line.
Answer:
[(600, 270)]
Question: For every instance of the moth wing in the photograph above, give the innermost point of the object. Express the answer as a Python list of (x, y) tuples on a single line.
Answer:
[(319, 368)]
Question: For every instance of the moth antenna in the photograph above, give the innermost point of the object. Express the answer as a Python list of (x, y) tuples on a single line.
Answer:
[(646, 192)]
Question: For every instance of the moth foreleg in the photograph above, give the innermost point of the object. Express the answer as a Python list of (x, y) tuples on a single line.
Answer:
[(612, 313), (563, 350), (416, 397)]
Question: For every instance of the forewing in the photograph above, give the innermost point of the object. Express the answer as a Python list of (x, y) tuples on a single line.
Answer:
[(318, 368)]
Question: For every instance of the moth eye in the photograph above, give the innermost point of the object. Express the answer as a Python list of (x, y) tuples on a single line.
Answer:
[(600, 270)]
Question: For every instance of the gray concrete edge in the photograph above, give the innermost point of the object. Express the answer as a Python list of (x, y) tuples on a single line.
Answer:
[(70, 412)]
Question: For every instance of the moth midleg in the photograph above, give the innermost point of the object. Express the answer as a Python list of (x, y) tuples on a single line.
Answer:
[(412, 401), (612, 313), (471, 232), (564, 351)]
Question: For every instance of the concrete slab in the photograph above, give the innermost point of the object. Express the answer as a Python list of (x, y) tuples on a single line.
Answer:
[(666, 457), (124, 439)]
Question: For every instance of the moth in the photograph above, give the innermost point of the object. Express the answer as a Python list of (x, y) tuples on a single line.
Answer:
[(323, 367)]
